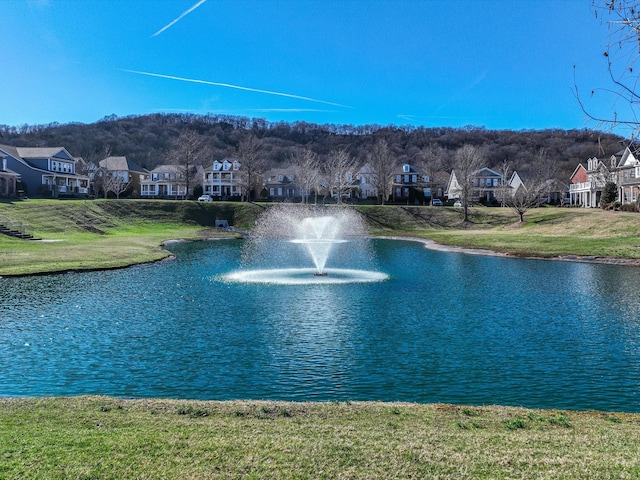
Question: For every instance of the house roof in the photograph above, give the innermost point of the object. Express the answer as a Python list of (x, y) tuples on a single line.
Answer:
[(121, 164), (627, 159), (273, 175), (486, 171), (579, 168), (43, 152)]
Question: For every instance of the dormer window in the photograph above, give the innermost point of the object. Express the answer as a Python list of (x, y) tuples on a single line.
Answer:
[(236, 166), (281, 177), (216, 165), (406, 168), (225, 166)]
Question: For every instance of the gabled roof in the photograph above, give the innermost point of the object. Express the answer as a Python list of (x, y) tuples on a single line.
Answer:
[(486, 172), (273, 175), (578, 169), (13, 151), (121, 164), (165, 168), (628, 159), (44, 152)]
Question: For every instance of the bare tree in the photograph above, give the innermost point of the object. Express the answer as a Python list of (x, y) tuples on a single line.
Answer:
[(339, 169), (306, 168), (468, 160), (623, 20), (112, 182), (505, 189), (535, 188), (383, 164), (249, 151), (188, 151), (431, 161)]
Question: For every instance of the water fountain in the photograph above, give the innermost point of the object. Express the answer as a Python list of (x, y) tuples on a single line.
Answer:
[(283, 233)]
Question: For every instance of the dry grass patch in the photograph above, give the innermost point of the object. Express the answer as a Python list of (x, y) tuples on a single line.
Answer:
[(99, 437)]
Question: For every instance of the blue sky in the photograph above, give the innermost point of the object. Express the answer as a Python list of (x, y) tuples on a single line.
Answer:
[(501, 64)]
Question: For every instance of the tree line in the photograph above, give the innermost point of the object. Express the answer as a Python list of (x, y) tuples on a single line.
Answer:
[(149, 140)]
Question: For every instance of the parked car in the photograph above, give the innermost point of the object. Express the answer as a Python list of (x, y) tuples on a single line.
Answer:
[(436, 202), (457, 203), (205, 198)]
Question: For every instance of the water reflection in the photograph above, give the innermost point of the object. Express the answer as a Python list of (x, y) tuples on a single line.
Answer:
[(443, 328)]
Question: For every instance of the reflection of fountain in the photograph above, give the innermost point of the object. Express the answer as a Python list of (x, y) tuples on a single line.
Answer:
[(339, 236)]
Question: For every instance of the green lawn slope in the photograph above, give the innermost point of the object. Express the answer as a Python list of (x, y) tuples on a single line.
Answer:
[(101, 234)]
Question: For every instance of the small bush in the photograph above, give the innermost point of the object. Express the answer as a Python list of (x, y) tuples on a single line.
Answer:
[(516, 424), (629, 207)]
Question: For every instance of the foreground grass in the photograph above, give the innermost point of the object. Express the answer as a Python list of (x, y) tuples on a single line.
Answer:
[(100, 437)]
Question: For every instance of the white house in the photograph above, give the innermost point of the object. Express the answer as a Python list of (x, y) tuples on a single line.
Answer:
[(165, 181), (586, 184), (628, 177), (224, 179)]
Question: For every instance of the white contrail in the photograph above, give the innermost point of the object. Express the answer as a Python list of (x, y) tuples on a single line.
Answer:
[(237, 87), (184, 14)]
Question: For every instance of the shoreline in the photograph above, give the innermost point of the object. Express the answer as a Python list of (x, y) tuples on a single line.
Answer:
[(430, 244)]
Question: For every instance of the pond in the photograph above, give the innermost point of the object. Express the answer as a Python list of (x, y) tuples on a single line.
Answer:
[(442, 327)]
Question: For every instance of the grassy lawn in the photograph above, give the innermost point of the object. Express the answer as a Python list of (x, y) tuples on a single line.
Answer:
[(547, 232), (115, 233), (102, 234), (98, 234), (100, 437)]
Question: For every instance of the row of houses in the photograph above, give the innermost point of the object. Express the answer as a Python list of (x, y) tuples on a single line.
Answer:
[(54, 172), (588, 181)]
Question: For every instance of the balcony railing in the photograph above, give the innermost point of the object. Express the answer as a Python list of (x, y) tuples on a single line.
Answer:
[(580, 186)]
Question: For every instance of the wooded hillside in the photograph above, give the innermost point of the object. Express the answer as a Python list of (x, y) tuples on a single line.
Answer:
[(146, 139)]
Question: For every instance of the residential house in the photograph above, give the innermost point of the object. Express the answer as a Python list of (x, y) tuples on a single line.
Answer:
[(129, 172), (365, 177), (434, 185), (587, 183), (488, 186), (8, 180), (280, 185), (408, 185), (224, 180), (168, 181), (45, 171), (628, 177), (554, 191)]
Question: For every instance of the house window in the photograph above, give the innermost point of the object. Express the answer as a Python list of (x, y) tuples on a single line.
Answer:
[(405, 168), (272, 191), (398, 178), (280, 177), (216, 166), (406, 179), (154, 177), (225, 166), (414, 178)]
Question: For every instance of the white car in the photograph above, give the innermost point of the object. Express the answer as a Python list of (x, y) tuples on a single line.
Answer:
[(205, 198), (457, 203)]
